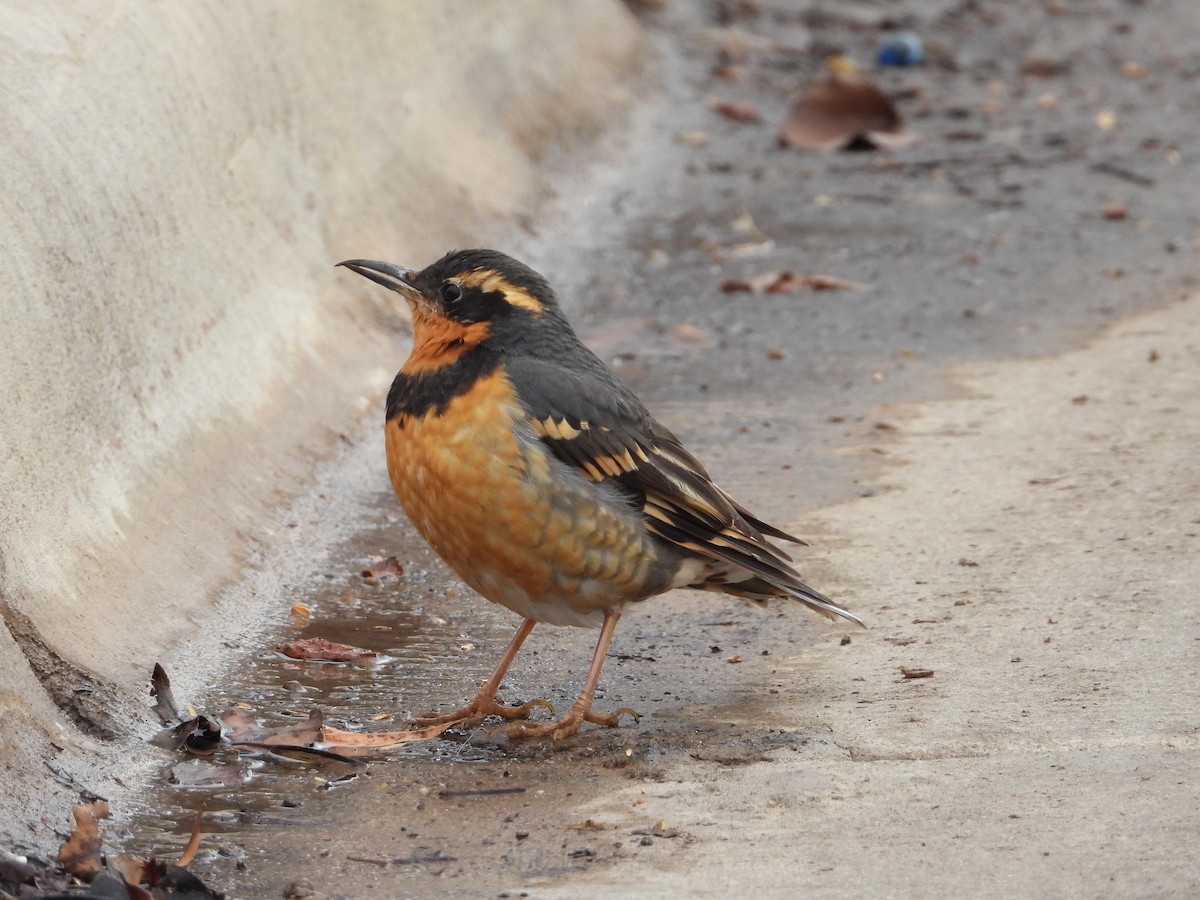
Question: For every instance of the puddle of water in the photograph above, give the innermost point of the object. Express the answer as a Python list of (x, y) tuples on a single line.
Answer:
[(432, 638)]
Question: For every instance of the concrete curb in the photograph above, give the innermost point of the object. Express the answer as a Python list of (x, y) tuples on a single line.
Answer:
[(178, 352)]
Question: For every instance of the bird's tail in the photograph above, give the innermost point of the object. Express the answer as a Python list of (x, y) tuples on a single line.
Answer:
[(759, 590)]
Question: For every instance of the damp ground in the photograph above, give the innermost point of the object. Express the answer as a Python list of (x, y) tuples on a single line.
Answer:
[(936, 434)]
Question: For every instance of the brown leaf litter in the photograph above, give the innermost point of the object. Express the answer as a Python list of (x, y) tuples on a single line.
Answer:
[(844, 111)]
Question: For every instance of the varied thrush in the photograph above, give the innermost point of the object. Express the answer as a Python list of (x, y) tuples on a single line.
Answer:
[(543, 481)]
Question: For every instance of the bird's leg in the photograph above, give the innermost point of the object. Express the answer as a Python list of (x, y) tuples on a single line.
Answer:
[(581, 711), (486, 703)]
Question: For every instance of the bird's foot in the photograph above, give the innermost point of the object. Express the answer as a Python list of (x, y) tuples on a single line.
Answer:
[(479, 709), (567, 725)]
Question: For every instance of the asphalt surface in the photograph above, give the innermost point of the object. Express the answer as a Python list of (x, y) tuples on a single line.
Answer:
[(990, 444)]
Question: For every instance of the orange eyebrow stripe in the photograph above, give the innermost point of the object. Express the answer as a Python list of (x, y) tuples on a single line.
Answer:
[(489, 280)]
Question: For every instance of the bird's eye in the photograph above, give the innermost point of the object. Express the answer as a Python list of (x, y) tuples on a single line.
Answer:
[(451, 292)]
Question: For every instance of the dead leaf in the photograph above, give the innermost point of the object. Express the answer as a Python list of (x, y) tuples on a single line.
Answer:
[(383, 565), (746, 113), (199, 735), (160, 689), (787, 282), (360, 742), (909, 672), (846, 110), (131, 869), (169, 880), (193, 844), (80, 854), (319, 648), (244, 729)]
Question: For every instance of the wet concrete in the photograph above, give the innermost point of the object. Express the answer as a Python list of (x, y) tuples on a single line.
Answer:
[(985, 243)]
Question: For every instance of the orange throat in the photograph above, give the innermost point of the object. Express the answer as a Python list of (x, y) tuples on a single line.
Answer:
[(438, 341)]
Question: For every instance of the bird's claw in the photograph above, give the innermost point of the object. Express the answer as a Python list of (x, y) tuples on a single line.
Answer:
[(479, 709), (564, 727), (612, 719)]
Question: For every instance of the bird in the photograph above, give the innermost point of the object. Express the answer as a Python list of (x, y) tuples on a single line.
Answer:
[(543, 481)]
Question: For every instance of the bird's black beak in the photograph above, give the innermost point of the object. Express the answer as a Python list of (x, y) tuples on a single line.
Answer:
[(394, 278)]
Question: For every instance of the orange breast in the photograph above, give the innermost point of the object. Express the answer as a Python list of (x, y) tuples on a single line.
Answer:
[(521, 528)]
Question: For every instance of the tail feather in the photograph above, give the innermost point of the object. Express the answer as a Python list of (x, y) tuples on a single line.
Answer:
[(759, 590)]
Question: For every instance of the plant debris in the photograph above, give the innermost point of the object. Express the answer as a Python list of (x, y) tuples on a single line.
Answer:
[(845, 111), (238, 729), (787, 282), (911, 672), (198, 735), (361, 743), (120, 878), (80, 855), (320, 649), (160, 689)]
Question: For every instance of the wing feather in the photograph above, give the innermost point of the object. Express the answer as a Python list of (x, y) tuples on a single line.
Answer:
[(591, 421)]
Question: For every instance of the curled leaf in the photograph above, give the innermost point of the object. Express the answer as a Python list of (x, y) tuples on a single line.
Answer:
[(319, 648), (193, 844), (160, 690), (846, 110), (80, 854), (362, 742)]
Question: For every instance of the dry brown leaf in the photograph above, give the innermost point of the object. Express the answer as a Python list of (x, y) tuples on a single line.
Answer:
[(130, 868), (160, 690), (909, 672), (80, 854), (319, 648), (193, 844), (844, 110), (378, 741)]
